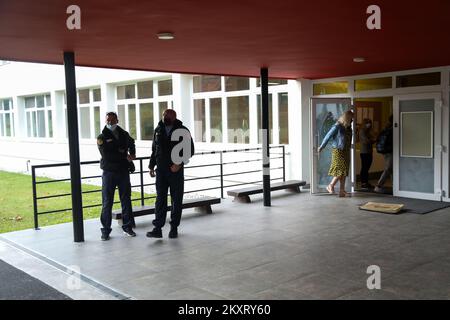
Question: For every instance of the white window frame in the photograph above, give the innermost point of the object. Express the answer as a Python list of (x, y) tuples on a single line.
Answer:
[(4, 112), (252, 93), (35, 109), (124, 123)]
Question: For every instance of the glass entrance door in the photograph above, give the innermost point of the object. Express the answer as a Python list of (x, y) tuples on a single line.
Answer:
[(324, 114), (417, 146)]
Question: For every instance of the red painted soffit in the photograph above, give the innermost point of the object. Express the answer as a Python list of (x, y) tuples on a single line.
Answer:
[(293, 38)]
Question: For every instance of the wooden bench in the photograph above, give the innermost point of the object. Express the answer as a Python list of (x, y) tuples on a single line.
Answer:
[(201, 204), (242, 195)]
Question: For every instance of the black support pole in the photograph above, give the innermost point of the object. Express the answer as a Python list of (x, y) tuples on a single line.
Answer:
[(74, 151), (265, 135)]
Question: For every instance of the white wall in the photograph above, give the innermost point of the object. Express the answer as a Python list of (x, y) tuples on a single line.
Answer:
[(18, 153)]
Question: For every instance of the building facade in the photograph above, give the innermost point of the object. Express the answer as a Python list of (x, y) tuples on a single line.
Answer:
[(223, 113)]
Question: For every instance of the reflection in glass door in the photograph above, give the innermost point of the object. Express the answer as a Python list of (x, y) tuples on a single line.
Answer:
[(324, 114)]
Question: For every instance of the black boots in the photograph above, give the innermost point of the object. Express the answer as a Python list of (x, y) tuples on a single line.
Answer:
[(155, 233), (173, 233)]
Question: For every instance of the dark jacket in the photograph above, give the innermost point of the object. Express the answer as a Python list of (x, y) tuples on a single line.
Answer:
[(162, 145), (385, 140), (115, 151)]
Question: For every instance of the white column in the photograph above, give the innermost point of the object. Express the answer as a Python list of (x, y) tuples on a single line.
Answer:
[(299, 166), (20, 118), (108, 93), (294, 164), (306, 94), (182, 98)]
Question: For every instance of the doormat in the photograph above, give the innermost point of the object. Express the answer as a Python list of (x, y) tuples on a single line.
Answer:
[(417, 206), (391, 208)]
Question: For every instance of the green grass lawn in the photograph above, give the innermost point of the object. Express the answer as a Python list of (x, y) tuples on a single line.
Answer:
[(16, 202)]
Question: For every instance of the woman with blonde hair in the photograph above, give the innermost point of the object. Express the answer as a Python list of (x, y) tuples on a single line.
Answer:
[(341, 134)]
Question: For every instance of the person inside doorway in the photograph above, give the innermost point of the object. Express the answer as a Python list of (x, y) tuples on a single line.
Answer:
[(385, 146), (341, 134), (367, 140)]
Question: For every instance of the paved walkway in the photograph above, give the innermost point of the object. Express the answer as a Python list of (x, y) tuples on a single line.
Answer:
[(303, 247), (18, 285)]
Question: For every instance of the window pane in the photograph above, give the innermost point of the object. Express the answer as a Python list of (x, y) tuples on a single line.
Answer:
[(146, 112), (283, 117), (66, 123), (121, 114), (83, 96), (97, 94), (30, 102), (41, 124), (199, 120), (6, 104), (129, 92), (33, 116), (1, 104), (330, 88), (162, 107), (259, 115), (132, 120), (121, 92), (85, 123), (236, 83), (215, 113), (48, 100), (373, 84), (207, 83), (97, 121), (238, 120), (40, 102), (29, 126), (8, 124), (50, 124), (2, 128), (272, 82), (416, 80), (145, 90), (165, 87)]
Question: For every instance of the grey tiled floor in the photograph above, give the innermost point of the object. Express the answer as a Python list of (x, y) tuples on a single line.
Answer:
[(303, 247)]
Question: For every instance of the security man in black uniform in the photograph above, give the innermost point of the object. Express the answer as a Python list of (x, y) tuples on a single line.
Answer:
[(169, 174), (118, 150)]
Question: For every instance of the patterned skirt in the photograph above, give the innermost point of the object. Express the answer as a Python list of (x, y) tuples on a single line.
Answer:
[(340, 163)]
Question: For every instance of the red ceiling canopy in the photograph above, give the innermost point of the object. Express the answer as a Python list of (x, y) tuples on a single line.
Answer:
[(293, 38)]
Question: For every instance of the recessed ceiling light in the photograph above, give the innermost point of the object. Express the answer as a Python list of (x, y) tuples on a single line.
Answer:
[(165, 36), (359, 59)]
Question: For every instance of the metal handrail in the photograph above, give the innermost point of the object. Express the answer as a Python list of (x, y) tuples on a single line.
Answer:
[(142, 170)]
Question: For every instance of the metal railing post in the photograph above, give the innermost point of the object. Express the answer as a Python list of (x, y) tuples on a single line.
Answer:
[(221, 174), (35, 209), (142, 181), (284, 164)]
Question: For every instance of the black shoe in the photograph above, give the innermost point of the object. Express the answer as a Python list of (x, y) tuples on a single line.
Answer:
[(155, 233), (173, 233), (105, 237), (129, 232)]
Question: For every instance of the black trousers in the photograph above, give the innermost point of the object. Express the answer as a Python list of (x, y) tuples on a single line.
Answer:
[(111, 180), (366, 162), (165, 180)]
